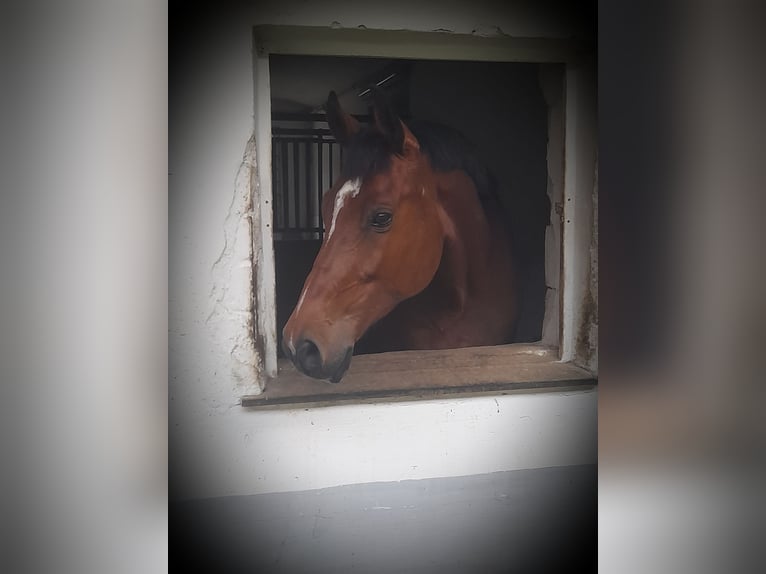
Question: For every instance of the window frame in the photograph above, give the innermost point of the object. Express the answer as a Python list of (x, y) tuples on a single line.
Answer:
[(568, 238)]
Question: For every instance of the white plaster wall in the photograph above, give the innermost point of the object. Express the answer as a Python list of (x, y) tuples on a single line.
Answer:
[(211, 109), (486, 17), (216, 446), (241, 452)]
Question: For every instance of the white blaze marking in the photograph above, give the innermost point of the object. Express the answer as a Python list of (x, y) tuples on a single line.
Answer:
[(351, 187), (300, 301)]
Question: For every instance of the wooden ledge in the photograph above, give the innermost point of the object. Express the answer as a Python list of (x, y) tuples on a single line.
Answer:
[(411, 375)]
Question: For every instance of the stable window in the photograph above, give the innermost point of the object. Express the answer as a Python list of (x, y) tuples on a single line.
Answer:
[(525, 104)]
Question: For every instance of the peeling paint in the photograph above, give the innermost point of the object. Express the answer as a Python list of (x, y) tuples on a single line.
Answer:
[(488, 31), (231, 295)]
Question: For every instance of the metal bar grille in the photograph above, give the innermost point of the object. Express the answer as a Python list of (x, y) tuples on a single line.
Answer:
[(299, 169), (305, 161)]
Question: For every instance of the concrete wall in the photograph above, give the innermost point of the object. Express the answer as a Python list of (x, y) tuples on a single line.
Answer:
[(218, 448)]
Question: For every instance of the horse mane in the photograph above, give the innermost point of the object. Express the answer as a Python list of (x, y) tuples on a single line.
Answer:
[(368, 152)]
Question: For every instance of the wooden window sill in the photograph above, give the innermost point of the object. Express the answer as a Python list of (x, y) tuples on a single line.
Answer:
[(412, 375)]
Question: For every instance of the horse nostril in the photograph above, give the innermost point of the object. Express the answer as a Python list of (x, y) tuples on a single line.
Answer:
[(308, 357), (286, 349)]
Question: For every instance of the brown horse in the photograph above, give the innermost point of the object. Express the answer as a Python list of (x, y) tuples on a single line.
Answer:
[(415, 253)]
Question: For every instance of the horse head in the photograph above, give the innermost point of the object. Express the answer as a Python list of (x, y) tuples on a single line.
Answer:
[(383, 240)]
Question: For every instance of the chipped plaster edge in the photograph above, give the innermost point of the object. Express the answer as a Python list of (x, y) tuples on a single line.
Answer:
[(231, 319)]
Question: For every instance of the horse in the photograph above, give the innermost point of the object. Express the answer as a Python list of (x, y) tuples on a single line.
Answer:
[(415, 254)]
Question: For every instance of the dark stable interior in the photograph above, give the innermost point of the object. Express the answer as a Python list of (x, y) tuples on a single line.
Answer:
[(499, 107)]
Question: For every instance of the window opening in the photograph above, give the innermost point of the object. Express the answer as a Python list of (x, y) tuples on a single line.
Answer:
[(499, 107)]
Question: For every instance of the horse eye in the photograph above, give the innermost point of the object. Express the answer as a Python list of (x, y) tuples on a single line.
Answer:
[(381, 220)]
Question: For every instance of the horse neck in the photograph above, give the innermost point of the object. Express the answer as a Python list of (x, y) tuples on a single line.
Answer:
[(468, 238)]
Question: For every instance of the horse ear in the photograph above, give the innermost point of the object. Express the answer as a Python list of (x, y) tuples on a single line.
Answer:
[(342, 125), (390, 125)]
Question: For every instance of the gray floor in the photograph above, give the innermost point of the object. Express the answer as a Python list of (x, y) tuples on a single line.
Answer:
[(541, 520)]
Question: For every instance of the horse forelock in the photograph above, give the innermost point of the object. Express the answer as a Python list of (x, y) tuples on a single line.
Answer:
[(368, 153)]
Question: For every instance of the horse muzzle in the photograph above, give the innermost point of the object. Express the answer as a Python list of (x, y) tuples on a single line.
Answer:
[(308, 359)]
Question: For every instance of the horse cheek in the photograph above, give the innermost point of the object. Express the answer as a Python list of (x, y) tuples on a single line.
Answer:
[(430, 258), (421, 256)]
